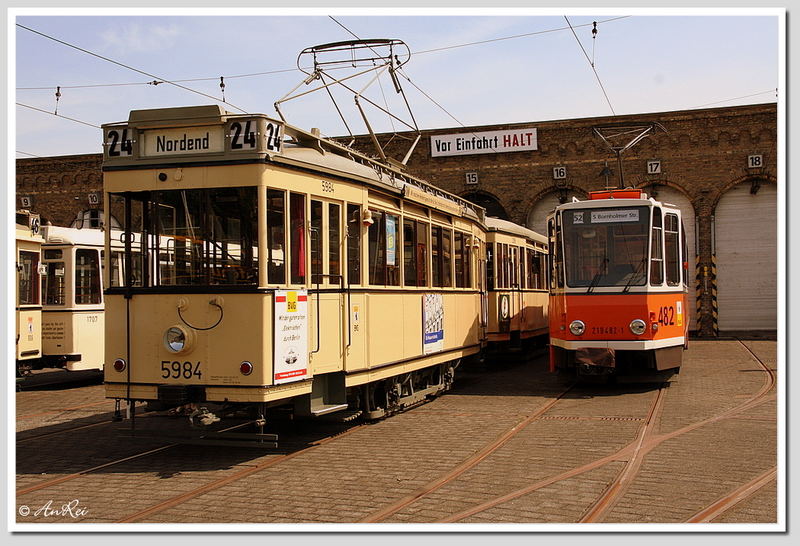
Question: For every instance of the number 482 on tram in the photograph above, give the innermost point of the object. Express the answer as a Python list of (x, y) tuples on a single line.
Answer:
[(618, 294)]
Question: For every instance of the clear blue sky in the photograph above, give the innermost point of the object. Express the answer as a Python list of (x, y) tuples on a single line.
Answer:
[(645, 61)]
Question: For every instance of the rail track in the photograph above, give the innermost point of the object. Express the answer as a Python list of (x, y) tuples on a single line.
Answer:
[(632, 455)]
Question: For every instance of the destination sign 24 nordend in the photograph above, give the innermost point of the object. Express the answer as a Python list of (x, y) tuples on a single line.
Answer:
[(488, 142), (190, 140)]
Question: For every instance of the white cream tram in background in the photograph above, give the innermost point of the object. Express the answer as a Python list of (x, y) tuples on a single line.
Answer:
[(267, 272), (28, 309), (73, 307)]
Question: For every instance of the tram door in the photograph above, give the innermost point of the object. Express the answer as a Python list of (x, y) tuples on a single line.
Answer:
[(328, 290)]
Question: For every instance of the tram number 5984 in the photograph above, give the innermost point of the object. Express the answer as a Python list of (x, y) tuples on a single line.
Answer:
[(175, 369), (666, 316)]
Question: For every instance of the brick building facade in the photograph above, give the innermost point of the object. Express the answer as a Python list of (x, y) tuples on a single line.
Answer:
[(702, 155)]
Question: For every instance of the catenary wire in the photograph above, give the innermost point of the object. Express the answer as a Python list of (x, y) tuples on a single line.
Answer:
[(285, 70), (128, 67), (596, 75), (58, 115)]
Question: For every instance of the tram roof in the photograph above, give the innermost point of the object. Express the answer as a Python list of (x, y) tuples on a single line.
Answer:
[(306, 150), (496, 224), (73, 236)]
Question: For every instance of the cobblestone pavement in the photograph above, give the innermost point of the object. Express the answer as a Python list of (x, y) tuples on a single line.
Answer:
[(371, 467)]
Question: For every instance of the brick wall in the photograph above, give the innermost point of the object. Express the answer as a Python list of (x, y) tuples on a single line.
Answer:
[(703, 153)]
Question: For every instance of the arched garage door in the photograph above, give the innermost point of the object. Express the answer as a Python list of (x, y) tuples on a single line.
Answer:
[(537, 217), (747, 256), (677, 198)]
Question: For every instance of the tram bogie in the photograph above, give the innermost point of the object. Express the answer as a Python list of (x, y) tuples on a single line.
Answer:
[(618, 294)]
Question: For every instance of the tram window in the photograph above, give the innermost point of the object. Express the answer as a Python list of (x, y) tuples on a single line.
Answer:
[(514, 268), (276, 237), (447, 257), (671, 249), (414, 262), (54, 284), (656, 251), (53, 254), (441, 256), (29, 283), (297, 236), (353, 244), (392, 260), (87, 276), (490, 268), (116, 269), (684, 254), (316, 241), (190, 237), (462, 260), (334, 241), (383, 262)]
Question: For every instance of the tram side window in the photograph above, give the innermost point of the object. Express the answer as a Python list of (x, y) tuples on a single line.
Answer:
[(462, 260), (316, 241), (334, 241), (490, 268), (415, 252), (383, 262), (54, 285), (276, 237), (671, 249), (116, 269), (297, 235), (447, 257), (29, 283), (87, 276), (353, 244), (684, 256), (514, 269), (657, 255), (441, 256)]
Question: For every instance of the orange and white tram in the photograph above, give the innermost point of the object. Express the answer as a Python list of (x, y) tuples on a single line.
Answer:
[(618, 292)]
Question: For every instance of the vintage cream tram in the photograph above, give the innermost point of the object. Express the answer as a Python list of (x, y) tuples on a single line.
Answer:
[(73, 307), (618, 292), (516, 271), (28, 269), (267, 266)]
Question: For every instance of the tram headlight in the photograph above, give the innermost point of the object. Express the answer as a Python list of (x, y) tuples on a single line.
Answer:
[(176, 339), (577, 327), (638, 326)]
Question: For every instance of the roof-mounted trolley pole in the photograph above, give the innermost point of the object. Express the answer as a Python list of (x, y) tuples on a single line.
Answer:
[(374, 55), (622, 137)]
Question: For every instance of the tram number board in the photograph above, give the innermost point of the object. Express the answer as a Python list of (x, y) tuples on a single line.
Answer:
[(251, 135)]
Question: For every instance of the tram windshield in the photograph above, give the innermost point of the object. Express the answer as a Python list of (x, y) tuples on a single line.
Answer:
[(190, 237), (606, 247)]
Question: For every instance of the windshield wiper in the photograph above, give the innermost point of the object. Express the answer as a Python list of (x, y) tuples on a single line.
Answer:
[(597, 276), (635, 275)]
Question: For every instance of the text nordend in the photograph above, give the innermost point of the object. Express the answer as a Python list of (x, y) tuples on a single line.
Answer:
[(489, 142), (185, 144)]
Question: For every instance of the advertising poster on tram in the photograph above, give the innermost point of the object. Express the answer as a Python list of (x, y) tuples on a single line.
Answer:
[(290, 357), (432, 323)]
